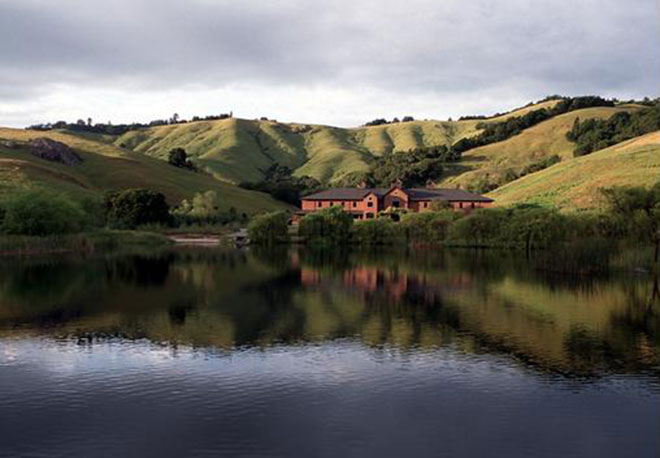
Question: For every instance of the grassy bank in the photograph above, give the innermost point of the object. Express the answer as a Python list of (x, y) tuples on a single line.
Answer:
[(87, 242)]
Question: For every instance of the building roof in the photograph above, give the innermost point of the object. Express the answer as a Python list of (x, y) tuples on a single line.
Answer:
[(453, 195)]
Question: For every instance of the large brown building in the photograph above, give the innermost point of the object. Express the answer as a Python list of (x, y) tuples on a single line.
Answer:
[(365, 203)]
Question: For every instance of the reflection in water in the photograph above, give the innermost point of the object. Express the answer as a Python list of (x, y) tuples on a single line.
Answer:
[(199, 352), (408, 301)]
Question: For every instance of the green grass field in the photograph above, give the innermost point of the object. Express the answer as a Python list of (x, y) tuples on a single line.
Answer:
[(107, 167), (574, 184)]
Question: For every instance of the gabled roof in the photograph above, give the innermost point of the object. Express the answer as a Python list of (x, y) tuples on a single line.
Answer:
[(448, 194), (453, 195), (345, 194)]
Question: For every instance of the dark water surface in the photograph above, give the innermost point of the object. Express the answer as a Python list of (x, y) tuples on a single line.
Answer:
[(202, 352)]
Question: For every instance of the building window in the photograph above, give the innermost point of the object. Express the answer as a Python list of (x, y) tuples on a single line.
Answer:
[(319, 204), (354, 204), (370, 215), (472, 204), (460, 205), (425, 205), (396, 203), (370, 204)]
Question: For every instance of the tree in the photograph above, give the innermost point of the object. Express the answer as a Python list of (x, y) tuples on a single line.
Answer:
[(639, 209), (132, 207), (40, 212), (331, 226), (269, 228), (449, 132), (179, 158)]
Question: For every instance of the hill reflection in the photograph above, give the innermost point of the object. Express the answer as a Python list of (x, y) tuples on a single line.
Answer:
[(405, 301)]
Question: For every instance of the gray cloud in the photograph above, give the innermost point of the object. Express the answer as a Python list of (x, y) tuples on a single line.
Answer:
[(412, 49)]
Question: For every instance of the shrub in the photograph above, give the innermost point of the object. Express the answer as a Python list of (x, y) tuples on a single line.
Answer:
[(427, 227), (481, 227), (269, 228), (203, 209), (179, 158), (329, 226), (39, 212), (380, 231), (134, 207)]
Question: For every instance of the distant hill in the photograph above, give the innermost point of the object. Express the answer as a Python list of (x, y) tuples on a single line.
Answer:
[(548, 138), (574, 184), (106, 167), (237, 150)]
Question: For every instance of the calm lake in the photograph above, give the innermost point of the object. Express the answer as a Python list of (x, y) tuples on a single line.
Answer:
[(191, 352)]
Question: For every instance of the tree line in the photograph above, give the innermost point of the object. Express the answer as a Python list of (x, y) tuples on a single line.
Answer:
[(82, 125), (498, 131), (632, 214), (42, 212), (594, 134), (382, 121), (278, 180)]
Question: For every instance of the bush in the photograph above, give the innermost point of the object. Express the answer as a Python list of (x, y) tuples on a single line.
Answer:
[(329, 226), (39, 212), (134, 207), (481, 227), (203, 209), (269, 228), (427, 227), (179, 158), (381, 231)]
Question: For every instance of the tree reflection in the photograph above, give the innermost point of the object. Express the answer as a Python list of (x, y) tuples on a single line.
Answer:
[(406, 300)]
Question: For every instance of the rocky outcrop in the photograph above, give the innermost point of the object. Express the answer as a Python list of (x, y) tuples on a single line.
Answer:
[(54, 151)]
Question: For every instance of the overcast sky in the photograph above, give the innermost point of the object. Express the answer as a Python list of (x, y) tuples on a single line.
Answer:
[(339, 62)]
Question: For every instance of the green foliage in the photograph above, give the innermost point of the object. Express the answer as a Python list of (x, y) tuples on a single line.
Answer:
[(479, 228), (498, 131), (134, 207), (41, 213), (330, 226), (204, 209), (179, 158), (413, 168), (533, 228), (269, 228), (427, 227), (380, 231), (279, 182), (595, 134), (637, 209)]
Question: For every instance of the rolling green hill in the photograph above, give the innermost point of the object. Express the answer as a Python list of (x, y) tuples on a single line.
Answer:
[(107, 167), (575, 183), (490, 162), (237, 150)]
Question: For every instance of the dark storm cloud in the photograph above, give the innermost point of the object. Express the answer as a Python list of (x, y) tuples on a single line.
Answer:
[(531, 48)]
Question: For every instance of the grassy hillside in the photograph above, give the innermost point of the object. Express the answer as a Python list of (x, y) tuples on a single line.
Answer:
[(106, 166), (238, 149), (490, 162), (574, 184)]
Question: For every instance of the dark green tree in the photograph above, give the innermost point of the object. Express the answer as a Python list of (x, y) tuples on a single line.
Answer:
[(132, 207)]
